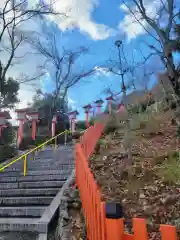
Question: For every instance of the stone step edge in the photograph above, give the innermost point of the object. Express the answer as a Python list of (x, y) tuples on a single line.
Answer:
[(23, 191), (38, 172), (30, 184), (25, 201), (23, 224), (33, 178), (14, 211)]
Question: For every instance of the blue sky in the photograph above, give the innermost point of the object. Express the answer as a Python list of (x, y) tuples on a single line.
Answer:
[(97, 25)]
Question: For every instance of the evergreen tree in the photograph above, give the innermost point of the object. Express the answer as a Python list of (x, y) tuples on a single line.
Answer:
[(8, 98), (8, 93)]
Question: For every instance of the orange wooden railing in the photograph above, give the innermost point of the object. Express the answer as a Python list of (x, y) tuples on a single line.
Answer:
[(104, 220), (89, 139)]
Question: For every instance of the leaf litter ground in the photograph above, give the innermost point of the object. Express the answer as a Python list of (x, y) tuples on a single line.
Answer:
[(150, 186)]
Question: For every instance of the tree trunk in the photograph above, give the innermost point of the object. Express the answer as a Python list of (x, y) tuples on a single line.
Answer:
[(171, 70)]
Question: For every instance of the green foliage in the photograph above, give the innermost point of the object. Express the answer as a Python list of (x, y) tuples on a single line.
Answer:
[(27, 142), (9, 93), (7, 135), (170, 170), (100, 143), (109, 128), (92, 121), (47, 99), (113, 124), (44, 104), (7, 150), (81, 125), (8, 98)]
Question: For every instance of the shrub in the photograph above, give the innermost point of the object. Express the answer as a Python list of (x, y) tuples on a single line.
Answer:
[(170, 170), (7, 152), (109, 129), (7, 149), (27, 142), (92, 121), (81, 125), (98, 145)]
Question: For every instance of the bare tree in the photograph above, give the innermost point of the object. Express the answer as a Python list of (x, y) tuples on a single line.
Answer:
[(16, 12), (12, 16), (63, 65), (152, 24), (120, 66)]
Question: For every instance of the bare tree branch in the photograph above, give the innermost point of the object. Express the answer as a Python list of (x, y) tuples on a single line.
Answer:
[(163, 35), (63, 63), (12, 15), (137, 20)]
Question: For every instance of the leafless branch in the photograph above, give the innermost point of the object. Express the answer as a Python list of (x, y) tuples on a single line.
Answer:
[(62, 63), (163, 35), (12, 15), (137, 20)]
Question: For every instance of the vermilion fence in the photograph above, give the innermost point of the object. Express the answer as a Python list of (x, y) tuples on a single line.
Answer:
[(89, 139), (104, 220)]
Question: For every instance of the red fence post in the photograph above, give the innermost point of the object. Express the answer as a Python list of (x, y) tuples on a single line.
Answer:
[(168, 232), (103, 220), (140, 229), (114, 225)]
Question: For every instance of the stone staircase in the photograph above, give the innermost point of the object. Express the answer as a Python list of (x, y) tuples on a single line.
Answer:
[(28, 204)]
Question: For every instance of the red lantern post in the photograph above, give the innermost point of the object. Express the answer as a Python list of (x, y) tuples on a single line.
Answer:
[(99, 105), (86, 110), (121, 107), (4, 116), (34, 116), (73, 117), (109, 102), (54, 121), (21, 117)]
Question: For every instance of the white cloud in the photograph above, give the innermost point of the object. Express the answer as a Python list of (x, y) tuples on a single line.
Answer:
[(102, 71), (72, 103), (129, 24), (79, 15)]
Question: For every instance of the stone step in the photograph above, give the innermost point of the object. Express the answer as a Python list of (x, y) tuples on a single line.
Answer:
[(22, 201), (48, 167), (37, 172), (39, 184), (19, 235), (51, 154), (29, 192), (22, 225), (39, 164), (48, 161), (33, 168), (25, 201), (61, 159), (7, 179), (45, 165), (34, 211)]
